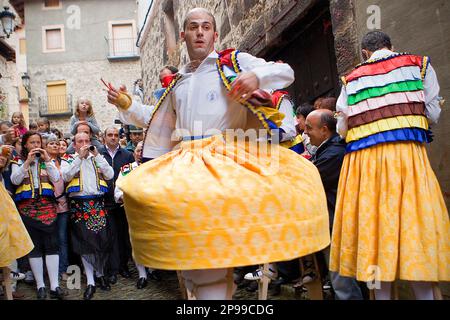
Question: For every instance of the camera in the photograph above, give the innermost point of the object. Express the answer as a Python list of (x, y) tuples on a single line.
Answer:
[(92, 148), (37, 155)]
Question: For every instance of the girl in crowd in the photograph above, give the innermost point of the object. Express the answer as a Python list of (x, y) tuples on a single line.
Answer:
[(18, 119), (62, 208), (44, 127), (84, 112), (34, 173), (63, 145)]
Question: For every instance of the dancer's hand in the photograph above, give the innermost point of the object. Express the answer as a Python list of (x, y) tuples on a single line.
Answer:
[(120, 98), (243, 86)]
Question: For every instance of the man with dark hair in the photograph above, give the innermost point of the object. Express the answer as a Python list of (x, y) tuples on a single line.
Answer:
[(391, 222), (321, 128), (374, 41), (121, 253)]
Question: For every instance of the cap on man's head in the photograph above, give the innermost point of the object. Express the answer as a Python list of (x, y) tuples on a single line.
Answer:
[(134, 129)]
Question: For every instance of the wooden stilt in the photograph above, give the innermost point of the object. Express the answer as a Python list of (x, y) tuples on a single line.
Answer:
[(183, 289), (6, 282), (372, 294), (394, 291), (437, 291), (314, 287), (263, 283)]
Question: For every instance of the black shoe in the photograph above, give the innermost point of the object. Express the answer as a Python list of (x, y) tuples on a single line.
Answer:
[(103, 284), (112, 279), (41, 293), (58, 293), (125, 273), (142, 283), (89, 292), (154, 275)]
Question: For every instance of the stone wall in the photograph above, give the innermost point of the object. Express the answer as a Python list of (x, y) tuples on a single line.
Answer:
[(8, 89), (83, 80), (254, 26)]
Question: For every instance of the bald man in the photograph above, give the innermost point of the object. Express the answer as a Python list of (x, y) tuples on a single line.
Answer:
[(208, 97), (320, 126)]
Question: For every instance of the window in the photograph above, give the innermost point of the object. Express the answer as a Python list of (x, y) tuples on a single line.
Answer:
[(52, 4), (57, 97), (53, 38), (22, 46), (122, 40)]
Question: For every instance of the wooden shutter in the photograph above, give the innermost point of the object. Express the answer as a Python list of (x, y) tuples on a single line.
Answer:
[(57, 97)]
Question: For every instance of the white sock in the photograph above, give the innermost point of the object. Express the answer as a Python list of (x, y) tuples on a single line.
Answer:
[(422, 290), (89, 269), (52, 263), (141, 270), (37, 266), (384, 293)]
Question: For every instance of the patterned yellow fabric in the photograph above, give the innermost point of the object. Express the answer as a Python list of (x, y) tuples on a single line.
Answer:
[(211, 204), (390, 213), (386, 125), (14, 239)]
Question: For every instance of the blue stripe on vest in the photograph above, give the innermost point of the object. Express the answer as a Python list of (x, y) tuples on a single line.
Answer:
[(48, 192), (73, 189), (404, 134), (299, 148), (23, 196)]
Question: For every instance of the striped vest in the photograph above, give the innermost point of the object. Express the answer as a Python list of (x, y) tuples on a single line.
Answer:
[(386, 102), (76, 184), (27, 191)]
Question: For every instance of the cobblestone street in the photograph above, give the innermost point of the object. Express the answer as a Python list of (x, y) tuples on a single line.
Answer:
[(168, 289)]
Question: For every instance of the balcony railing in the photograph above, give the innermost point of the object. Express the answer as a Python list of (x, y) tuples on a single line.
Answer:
[(123, 48), (57, 105)]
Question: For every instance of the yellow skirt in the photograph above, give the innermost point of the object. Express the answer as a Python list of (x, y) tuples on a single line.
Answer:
[(391, 221), (14, 239), (211, 204)]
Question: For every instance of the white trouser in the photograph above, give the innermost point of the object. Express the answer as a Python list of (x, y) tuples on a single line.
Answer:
[(209, 284)]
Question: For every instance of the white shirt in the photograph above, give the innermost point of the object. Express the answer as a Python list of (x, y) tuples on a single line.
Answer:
[(200, 102), (288, 123), (19, 172), (118, 193), (112, 153), (89, 180), (431, 91)]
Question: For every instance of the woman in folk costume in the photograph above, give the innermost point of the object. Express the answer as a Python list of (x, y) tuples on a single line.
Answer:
[(216, 201), (15, 241), (391, 221), (34, 174)]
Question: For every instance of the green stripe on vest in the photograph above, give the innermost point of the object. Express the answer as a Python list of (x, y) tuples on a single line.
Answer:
[(405, 86)]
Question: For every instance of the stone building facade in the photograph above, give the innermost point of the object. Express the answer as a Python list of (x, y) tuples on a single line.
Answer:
[(71, 44), (318, 38)]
